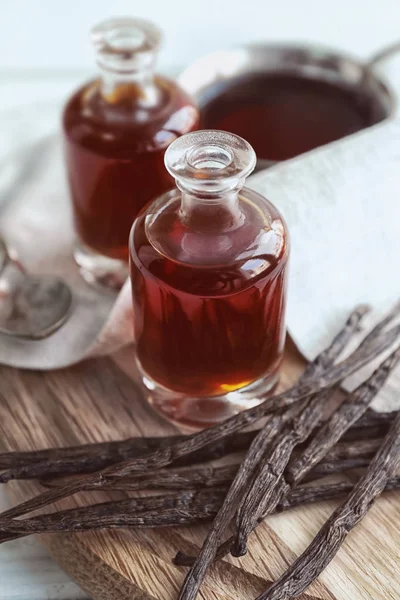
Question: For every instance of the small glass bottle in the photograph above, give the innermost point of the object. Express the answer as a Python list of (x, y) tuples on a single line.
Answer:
[(208, 271), (116, 131)]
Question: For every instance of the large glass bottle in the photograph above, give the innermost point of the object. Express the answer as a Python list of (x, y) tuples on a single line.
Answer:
[(208, 272), (116, 131)]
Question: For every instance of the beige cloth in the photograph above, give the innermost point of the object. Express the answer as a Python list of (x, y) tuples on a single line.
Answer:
[(340, 202)]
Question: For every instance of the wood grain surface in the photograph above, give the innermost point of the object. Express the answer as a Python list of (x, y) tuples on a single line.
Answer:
[(96, 401)]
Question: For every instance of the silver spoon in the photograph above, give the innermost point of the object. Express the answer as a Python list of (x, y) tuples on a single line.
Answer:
[(31, 306)]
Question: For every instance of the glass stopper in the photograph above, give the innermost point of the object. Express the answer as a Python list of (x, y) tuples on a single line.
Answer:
[(126, 44), (210, 161)]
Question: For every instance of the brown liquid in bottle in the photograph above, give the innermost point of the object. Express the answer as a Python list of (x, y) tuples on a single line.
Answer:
[(115, 157), (208, 330), (208, 272), (284, 115)]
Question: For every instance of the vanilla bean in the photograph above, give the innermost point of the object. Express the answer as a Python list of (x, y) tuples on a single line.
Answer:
[(273, 464), (341, 420), (382, 325), (363, 433), (325, 468), (329, 539), (195, 477), (166, 456), (265, 489), (307, 494), (187, 508), (238, 485), (152, 511), (376, 419), (263, 493), (119, 450), (90, 458), (342, 457), (161, 518), (138, 446), (247, 470), (298, 497), (262, 499), (328, 356), (370, 425), (271, 470), (353, 449)]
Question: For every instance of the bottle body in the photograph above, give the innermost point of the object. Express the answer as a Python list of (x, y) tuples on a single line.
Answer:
[(209, 307), (115, 163), (116, 130)]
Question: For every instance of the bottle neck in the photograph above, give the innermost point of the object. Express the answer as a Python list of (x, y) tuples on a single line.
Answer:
[(216, 213), (210, 168), (126, 52), (137, 85)]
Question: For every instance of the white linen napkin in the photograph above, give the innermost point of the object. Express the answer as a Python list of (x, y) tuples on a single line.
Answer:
[(341, 204), (36, 222)]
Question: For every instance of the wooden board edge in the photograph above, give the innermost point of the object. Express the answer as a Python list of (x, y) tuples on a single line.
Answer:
[(93, 575)]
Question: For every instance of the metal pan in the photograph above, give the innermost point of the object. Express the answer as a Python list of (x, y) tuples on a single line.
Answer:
[(205, 78)]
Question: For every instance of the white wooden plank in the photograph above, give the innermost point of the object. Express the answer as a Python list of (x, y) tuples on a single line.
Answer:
[(27, 571)]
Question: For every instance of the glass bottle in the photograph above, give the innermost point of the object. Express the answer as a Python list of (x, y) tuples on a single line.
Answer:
[(116, 131), (208, 271)]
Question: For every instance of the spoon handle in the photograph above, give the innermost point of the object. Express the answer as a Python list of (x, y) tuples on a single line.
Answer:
[(6, 259)]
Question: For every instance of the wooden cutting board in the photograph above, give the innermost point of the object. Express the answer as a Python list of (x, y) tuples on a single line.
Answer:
[(96, 401)]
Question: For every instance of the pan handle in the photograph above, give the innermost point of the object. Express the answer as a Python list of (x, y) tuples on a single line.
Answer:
[(382, 55)]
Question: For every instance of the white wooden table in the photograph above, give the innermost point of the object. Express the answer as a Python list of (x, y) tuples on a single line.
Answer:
[(27, 572)]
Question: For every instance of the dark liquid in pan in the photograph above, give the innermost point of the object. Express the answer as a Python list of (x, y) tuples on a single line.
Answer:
[(283, 115)]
